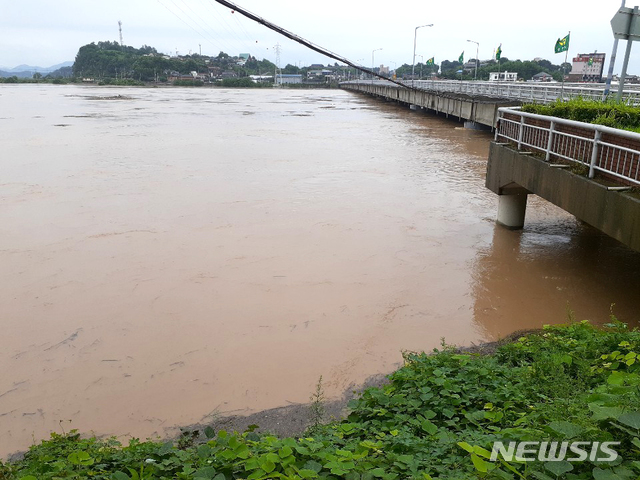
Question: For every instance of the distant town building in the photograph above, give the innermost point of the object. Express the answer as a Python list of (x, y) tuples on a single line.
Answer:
[(287, 78), (587, 67), (542, 77), (503, 76), (383, 70)]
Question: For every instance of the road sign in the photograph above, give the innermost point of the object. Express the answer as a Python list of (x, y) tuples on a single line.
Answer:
[(622, 26)]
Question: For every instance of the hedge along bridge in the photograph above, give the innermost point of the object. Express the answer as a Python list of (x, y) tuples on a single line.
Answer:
[(591, 171), (477, 103)]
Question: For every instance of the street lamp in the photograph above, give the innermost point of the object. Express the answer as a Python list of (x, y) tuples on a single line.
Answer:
[(372, 62), (475, 77), (359, 62), (415, 37), (395, 67)]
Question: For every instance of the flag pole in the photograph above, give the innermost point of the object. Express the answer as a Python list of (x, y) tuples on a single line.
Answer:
[(566, 54)]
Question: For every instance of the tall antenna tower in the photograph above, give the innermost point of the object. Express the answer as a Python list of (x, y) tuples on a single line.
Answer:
[(277, 47), (120, 28), (275, 74)]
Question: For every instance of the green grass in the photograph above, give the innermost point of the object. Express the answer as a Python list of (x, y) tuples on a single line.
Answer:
[(611, 114), (436, 419)]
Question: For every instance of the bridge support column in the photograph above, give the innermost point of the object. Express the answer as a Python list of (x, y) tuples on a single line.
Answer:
[(511, 210), (470, 124)]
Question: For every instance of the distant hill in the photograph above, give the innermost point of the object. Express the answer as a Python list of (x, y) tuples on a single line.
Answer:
[(27, 71)]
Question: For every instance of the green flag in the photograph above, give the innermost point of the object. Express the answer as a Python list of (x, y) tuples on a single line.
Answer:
[(562, 45), (430, 61), (461, 57), (499, 52)]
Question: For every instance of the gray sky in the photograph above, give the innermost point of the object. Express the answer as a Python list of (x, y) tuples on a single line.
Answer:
[(44, 32)]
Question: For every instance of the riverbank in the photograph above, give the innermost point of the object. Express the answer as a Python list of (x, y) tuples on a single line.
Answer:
[(436, 418)]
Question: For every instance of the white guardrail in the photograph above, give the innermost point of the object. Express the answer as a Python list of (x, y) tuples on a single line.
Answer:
[(529, 91), (521, 91), (604, 149)]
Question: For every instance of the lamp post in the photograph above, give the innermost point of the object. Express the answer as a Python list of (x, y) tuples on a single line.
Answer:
[(475, 77), (421, 63), (415, 37), (372, 62)]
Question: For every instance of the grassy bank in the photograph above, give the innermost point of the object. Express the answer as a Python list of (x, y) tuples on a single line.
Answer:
[(437, 418), (610, 114)]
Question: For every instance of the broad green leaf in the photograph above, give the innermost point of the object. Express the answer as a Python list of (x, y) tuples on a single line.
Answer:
[(257, 474), (481, 452), (602, 413), (429, 414), (312, 465), (285, 452), (479, 463), (429, 427), (569, 430), (466, 446), (305, 473), (272, 457), (204, 451), (234, 442), (209, 432), (205, 472), (558, 468), (600, 474), (616, 378), (268, 466), (243, 452), (114, 476), (631, 419)]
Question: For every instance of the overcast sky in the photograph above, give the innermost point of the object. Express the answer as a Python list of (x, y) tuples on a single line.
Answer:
[(46, 32)]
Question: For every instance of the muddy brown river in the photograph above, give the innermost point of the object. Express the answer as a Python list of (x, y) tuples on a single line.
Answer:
[(168, 255)]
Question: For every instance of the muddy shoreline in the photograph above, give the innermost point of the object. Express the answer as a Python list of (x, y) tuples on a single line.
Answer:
[(293, 420)]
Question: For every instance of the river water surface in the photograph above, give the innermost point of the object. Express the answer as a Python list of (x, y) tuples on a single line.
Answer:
[(171, 254)]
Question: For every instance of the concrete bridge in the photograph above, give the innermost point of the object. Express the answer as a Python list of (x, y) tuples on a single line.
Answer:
[(591, 171), (477, 103), (476, 111)]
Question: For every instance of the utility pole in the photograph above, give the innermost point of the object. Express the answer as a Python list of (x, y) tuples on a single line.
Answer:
[(612, 63), (277, 47), (200, 45), (373, 62), (120, 29), (475, 77), (627, 53)]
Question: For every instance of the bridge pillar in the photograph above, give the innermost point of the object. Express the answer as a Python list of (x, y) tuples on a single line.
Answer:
[(470, 124), (511, 210)]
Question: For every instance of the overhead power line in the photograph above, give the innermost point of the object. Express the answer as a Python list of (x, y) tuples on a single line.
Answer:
[(302, 41)]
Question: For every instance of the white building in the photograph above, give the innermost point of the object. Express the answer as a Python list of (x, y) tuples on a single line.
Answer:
[(503, 76), (587, 67), (284, 78)]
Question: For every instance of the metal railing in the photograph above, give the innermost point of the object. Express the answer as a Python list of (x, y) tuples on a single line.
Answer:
[(520, 91), (527, 91), (603, 149)]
